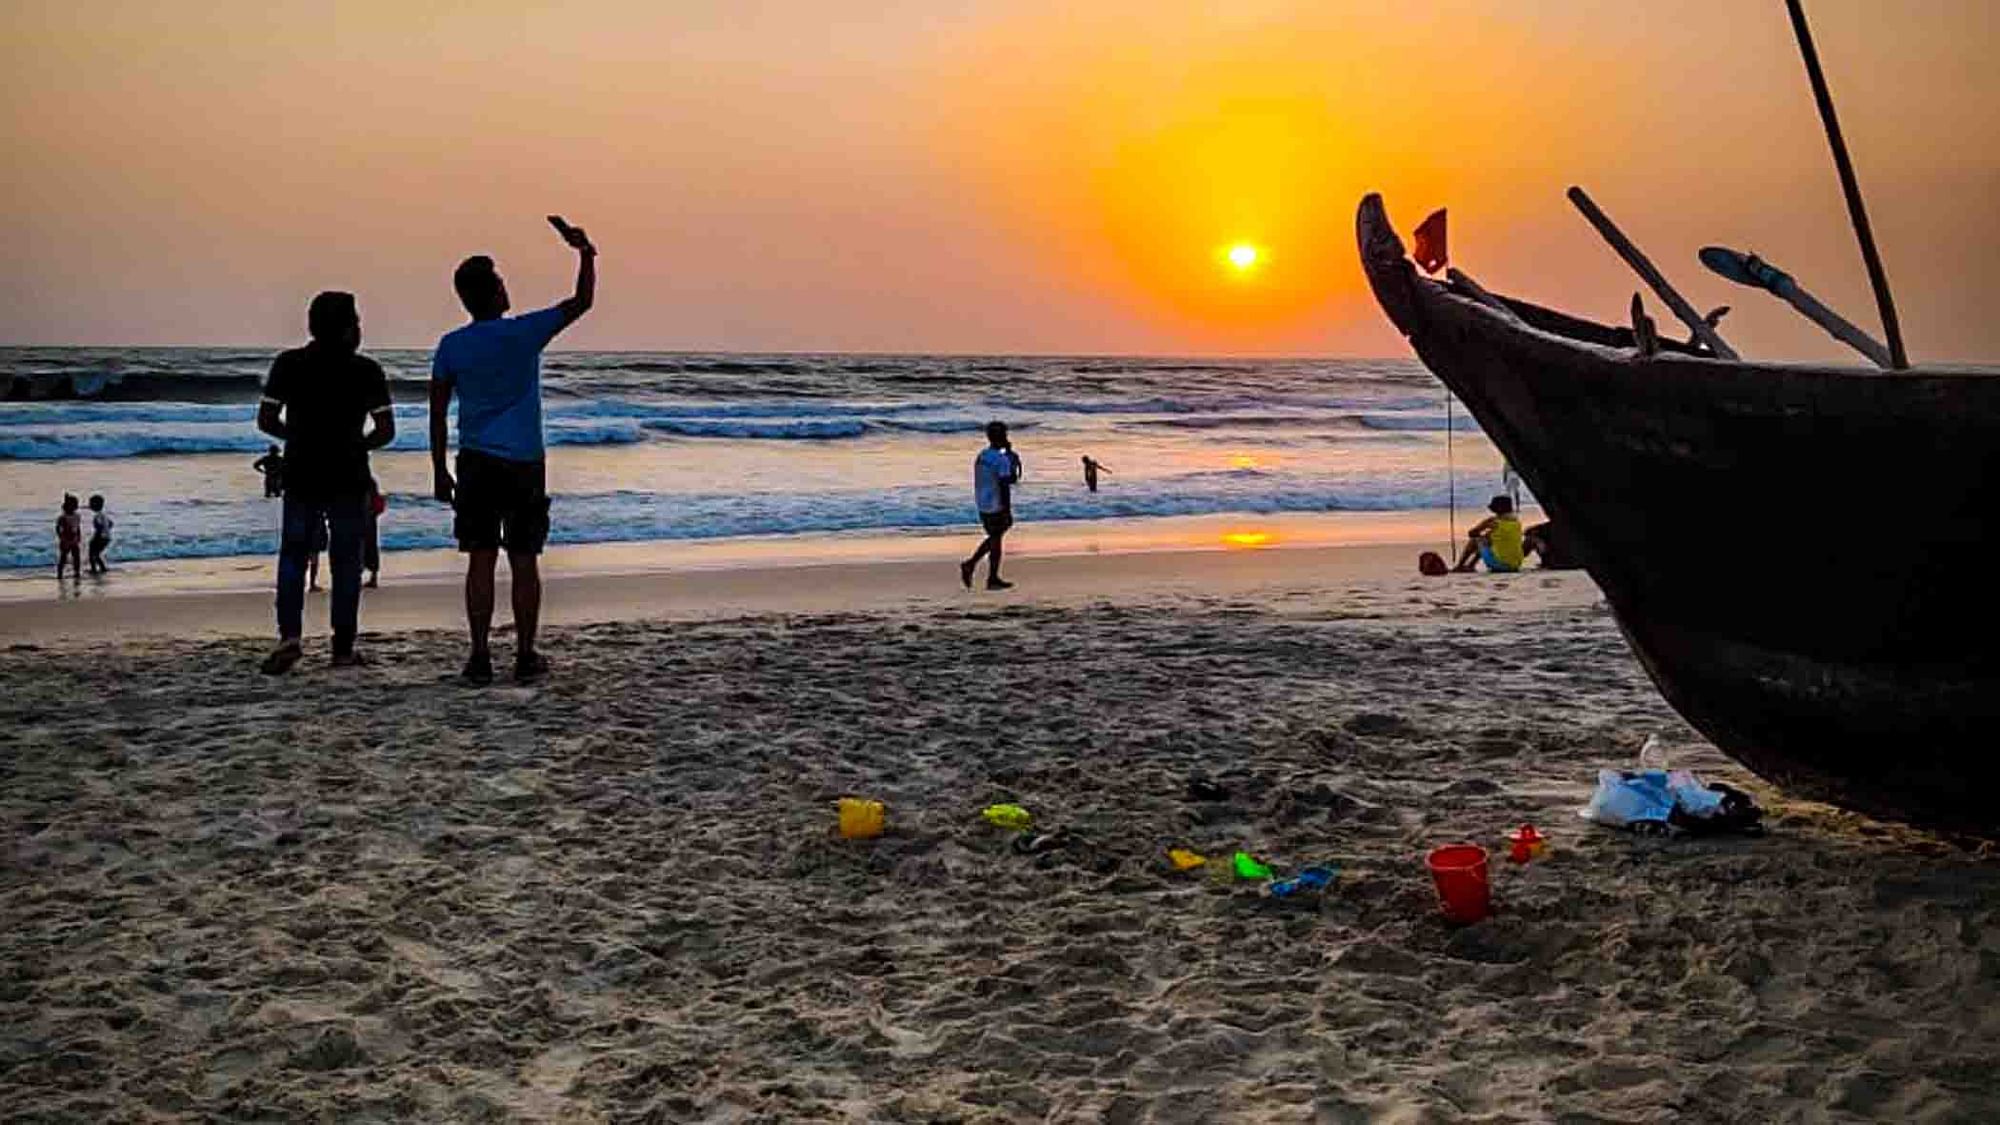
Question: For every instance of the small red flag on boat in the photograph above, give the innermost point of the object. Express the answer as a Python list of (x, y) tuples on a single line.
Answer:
[(1431, 253)]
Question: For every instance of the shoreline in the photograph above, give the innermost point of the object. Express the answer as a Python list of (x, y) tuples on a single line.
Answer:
[(1367, 571), (592, 583)]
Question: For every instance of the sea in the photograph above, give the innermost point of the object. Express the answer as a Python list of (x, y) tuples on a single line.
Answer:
[(667, 447)]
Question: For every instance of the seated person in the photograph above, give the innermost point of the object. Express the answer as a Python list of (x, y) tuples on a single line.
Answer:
[(1495, 540), (1549, 544)]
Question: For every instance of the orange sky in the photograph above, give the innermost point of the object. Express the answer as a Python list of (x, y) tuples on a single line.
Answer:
[(972, 175)]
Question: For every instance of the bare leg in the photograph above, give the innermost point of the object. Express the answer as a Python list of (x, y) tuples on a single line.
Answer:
[(527, 573), (1469, 556), (993, 558), (479, 597)]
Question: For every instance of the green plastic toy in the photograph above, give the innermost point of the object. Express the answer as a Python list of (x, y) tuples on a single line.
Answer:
[(1249, 867), (1014, 818)]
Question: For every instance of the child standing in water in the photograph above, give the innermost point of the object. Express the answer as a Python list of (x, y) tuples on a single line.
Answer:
[(100, 535), (69, 537)]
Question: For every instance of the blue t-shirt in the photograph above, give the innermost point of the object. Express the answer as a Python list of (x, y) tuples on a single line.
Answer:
[(496, 368)]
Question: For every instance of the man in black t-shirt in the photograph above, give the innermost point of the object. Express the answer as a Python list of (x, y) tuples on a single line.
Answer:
[(330, 406)]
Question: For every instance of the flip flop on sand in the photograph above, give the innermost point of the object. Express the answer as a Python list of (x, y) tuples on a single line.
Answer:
[(282, 658)]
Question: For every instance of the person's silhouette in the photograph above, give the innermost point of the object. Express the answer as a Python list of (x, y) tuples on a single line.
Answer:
[(330, 406), (500, 494), (994, 473)]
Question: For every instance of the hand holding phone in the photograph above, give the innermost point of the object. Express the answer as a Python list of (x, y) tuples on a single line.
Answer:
[(572, 235)]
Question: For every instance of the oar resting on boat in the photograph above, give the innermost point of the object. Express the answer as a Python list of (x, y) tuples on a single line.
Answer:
[(1749, 269)]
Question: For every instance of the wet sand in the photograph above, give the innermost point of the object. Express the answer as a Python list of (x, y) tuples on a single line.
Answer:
[(379, 895)]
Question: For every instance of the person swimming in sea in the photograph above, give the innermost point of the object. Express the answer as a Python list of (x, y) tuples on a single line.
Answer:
[(1495, 540)]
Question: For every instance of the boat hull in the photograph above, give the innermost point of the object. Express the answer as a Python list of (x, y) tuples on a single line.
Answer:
[(1799, 555)]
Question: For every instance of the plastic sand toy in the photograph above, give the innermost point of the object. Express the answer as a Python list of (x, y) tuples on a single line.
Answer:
[(1526, 844), (1250, 867), (1315, 878), (1185, 860), (1014, 818), (1459, 870), (861, 819)]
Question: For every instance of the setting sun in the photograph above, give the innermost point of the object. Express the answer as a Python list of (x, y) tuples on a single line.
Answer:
[(1243, 256)]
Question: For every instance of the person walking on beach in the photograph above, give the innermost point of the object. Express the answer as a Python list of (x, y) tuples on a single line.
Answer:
[(272, 465), (994, 473), (69, 538), (1495, 540), (500, 494), (1091, 467), (330, 405), (100, 535)]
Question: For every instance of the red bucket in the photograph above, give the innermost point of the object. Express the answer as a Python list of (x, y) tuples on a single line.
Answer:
[(1459, 870)]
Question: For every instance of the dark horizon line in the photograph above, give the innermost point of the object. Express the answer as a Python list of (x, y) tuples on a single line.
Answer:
[(1169, 356)]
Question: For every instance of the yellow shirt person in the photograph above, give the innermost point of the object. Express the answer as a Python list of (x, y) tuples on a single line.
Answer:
[(1495, 540)]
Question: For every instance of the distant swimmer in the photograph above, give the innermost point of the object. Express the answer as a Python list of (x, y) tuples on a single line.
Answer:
[(100, 535), (330, 405), (272, 465), (500, 494), (69, 538), (1495, 540), (1091, 467), (994, 473)]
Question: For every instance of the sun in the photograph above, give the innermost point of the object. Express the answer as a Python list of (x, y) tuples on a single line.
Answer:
[(1243, 257)]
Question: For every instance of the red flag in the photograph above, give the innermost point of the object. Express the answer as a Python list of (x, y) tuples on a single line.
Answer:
[(1431, 253)]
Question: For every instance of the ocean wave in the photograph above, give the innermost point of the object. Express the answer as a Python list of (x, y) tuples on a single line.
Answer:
[(1459, 423), (797, 429)]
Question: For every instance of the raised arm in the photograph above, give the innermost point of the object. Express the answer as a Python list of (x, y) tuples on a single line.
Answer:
[(586, 271)]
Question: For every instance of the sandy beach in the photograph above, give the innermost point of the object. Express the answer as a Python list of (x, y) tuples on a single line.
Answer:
[(620, 896)]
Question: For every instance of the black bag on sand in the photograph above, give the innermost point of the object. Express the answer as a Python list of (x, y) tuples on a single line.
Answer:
[(1738, 814)]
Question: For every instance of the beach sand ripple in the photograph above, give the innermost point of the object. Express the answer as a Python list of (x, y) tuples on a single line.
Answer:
[(381, 896)]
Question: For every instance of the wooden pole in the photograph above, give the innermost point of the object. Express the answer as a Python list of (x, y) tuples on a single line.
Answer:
[(1651, 276), (1877, 277)]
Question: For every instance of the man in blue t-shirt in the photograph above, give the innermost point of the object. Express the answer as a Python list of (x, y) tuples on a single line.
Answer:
[(500, 495)]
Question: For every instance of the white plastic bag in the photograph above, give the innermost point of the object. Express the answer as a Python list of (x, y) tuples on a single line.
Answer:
[(1694, 798), (1625, 799)]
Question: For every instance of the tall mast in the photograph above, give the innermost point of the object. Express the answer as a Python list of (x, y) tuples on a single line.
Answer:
[(1855, 209)]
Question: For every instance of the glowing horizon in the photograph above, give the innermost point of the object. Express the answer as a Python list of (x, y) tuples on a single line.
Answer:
[(972, 175)]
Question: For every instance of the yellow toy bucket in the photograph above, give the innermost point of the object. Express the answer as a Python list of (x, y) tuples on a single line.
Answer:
[(861, 819)]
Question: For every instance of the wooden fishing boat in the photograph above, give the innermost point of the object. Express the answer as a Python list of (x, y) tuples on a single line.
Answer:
[(1802, 556)]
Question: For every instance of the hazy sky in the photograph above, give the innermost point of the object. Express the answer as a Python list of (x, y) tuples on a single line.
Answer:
[(972, 175)]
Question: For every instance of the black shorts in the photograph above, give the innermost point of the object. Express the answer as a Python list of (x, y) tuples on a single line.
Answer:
[(500, 503), (996, 523)]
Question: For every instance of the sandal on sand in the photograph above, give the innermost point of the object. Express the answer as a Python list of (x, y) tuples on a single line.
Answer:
[(282, 658), (530, 668), (478, 670), (351, 659)]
